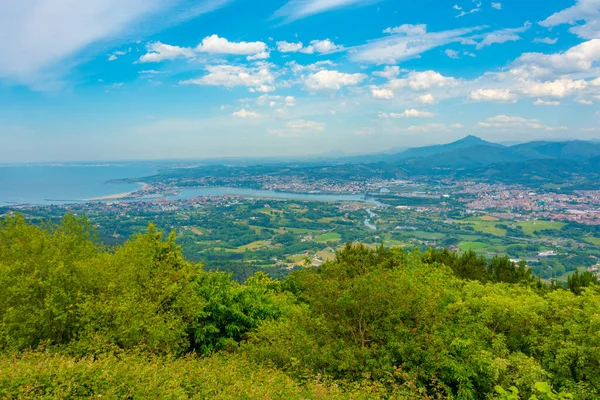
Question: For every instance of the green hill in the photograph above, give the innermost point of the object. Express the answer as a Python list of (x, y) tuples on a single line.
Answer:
[(78, 320)]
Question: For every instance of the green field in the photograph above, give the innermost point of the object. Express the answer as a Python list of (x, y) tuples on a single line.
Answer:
[(489, 227), (328, 237), (594, 241), (476, 246), (532, 227)]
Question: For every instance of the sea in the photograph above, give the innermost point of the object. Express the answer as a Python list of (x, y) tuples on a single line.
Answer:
[(60, 184), (64, 184)]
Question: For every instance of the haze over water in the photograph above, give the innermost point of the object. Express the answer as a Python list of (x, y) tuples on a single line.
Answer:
[(46, 185)]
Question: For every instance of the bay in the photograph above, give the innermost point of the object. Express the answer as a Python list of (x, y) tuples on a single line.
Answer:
[(45, 185)]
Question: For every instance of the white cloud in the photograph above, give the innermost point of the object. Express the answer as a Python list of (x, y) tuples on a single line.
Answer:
[(396, 48), (558, 88), (505, 121), (426, 99), (259, 56), (408, 30), (44, 34), (499, 95), (577, 59), (583, 10), (327, 79), (585, 102), (218, 45), (158, 52), (540, 102), (381, 93), (424, 80), (412, 113), (114, 56), (287, 47), (296, 9), (321, 46), (545, 40), (497, 6), (452, 54), (318, 66), (389, 72), (463, 13), (502, 36), (258, 78), (316, 46), (243, 113)]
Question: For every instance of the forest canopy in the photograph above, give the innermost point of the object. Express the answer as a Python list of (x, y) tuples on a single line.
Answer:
[(78, 319)]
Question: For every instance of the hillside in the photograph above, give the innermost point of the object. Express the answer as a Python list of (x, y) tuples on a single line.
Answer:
[(139, 321)]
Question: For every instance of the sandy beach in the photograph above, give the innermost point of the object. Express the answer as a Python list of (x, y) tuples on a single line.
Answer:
[(119, 195)]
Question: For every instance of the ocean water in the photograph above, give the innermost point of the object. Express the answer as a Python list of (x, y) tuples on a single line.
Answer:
[(45, 185)]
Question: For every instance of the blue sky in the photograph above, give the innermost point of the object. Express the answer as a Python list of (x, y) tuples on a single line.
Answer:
[(155, 79)]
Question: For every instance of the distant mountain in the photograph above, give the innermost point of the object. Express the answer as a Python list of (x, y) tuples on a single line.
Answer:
[(419, 152), (570, 150), (464, 158)]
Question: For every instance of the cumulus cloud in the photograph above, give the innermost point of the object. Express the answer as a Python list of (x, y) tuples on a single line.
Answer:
[(577, 59), (559, 88), (218, 45), (316, 46), (424, 80), (497, 6), (318, 66), (243, 113), (408, 30), (158, 52), (287, 47), (258, 78), (426, 99), (498, 95), (382, 93), (389, 72), (333, 80), (540, 102)]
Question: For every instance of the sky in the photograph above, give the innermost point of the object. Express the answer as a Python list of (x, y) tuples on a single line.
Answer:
[(172, 79)]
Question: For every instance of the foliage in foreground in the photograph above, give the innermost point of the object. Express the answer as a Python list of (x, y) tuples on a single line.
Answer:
[(371, 323)]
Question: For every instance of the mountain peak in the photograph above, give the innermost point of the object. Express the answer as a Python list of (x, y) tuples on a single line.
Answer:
[(473, 140)]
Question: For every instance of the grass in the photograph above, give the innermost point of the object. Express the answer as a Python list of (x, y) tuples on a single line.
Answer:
[(328, 220), (489, 227), (489, 218), (326, 255), (254, 245), (532, 227), (328, 237), (595, 241), (475, 246)]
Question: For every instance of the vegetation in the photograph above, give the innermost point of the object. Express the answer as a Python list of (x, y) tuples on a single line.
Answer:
[(78, 319)]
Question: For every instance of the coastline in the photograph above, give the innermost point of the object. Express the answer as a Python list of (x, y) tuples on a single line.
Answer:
[(119, 196)]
